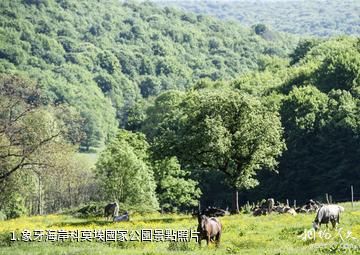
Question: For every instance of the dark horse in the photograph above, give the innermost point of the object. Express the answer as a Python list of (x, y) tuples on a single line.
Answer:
[(209, 229), (111, 210)]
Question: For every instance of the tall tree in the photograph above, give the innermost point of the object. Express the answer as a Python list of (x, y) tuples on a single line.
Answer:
[(222, 130)]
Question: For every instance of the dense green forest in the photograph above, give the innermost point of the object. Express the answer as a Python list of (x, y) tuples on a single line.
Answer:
[(177, 107), (320, 114), (320, 17), (316, 96), (105, 58)]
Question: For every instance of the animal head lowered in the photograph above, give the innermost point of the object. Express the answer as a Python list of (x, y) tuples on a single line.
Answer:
[(328, 214)]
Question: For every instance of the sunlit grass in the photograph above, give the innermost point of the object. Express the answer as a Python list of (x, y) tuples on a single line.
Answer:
[(242, 234)]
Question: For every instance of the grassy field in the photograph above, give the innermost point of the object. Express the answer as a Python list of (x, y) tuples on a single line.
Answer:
[(242, 234)]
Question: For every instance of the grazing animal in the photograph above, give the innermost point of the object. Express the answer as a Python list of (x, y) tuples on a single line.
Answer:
[(111, 210), (260, 211), (124, 217), (326, 214), (209, 229)]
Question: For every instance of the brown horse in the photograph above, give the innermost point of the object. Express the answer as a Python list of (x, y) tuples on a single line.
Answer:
[(209, 229)]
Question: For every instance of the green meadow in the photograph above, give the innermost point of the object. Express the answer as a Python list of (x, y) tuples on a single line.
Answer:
[(242, 234)]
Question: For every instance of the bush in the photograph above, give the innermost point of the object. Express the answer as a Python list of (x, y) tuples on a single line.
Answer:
[(14, 207), (2, 216), (5, 239), (12, 54), (246, 208), (91, 210)]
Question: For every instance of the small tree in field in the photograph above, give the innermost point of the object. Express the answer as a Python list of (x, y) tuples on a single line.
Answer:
[(175, 189), (125, 174)]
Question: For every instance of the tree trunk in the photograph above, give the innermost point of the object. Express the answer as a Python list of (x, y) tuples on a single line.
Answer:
[(235, 202), (70, 201), (40, 196)]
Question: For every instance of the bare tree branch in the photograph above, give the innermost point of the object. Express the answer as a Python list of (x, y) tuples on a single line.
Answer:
[(26, 156)]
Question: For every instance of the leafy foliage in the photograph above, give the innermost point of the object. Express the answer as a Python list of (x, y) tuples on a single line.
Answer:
[(174, 190), (218, 130), (104, 59), (320, 115), (35, 157), (218, 103), (125, 175), (319, 18)]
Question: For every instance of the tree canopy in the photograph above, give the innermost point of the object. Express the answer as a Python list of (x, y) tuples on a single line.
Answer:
[(318, 18), (105, 59), (220, 130)]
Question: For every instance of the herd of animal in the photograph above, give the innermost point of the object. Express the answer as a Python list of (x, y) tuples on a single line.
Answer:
[(270, 205), (210, 227)]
